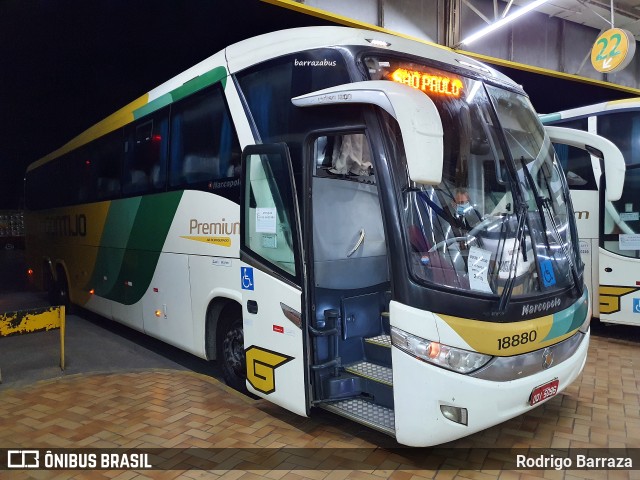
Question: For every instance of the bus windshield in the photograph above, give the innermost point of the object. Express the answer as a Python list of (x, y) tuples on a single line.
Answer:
[(500, 222)]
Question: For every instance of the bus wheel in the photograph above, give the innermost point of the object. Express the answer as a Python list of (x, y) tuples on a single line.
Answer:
[(231, 352)]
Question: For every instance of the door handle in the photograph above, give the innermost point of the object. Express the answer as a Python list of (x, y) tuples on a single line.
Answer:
[(252, 306), (358, 243)]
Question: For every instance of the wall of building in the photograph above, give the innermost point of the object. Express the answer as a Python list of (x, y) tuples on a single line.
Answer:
[(535, 39)]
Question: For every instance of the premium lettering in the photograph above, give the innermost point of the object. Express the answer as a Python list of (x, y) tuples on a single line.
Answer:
[(215, 228)]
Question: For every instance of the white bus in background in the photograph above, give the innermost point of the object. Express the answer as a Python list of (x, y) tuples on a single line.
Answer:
[(609, 228), (397, 247)]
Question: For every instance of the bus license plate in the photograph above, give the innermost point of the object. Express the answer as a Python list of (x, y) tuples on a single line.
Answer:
[(543, 392)]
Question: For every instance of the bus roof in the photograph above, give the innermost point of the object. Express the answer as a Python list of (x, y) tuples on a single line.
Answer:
[(254, 50), (591, 109)]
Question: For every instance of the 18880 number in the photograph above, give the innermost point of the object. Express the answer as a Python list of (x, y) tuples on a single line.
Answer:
[(517, 339)]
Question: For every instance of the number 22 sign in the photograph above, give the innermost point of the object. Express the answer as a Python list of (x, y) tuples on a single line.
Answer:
[(613, 50)]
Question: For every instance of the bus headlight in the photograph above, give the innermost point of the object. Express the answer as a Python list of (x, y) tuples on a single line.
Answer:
[(451, 358)]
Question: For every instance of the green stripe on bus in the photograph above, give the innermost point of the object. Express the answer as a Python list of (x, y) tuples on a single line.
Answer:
[(152, 106), (147, 237), (549, 117), (218, 74), (115, 235)]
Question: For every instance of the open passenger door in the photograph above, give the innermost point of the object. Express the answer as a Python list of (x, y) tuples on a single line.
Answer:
[(272, 278)]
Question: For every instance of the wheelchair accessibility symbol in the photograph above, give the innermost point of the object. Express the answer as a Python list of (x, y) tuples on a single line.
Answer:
[(246, 277), (546, 269), (636, 305)]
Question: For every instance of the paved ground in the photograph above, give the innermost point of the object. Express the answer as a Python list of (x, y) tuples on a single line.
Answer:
[(178, 409), (124, 390), (92, 343)]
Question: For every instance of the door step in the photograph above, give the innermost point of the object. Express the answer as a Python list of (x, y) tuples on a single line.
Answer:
[(374, 416), (381, 340), (378, 350), (372, 371)]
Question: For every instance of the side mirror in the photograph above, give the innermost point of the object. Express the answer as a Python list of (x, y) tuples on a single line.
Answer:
[(419, 120), (614, 166)]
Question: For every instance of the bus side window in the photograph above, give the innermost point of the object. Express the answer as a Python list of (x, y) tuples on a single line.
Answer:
[(269, 211), (105, 157), (145, 150), (575, 162), (577, 167), (204, 144)]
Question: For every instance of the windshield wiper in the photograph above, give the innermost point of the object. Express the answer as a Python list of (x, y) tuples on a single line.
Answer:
[(573, 267), (507, 291), (539, 199), (543, 205)]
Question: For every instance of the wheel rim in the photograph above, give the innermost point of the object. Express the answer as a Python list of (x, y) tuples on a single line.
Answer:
[(233, 350)]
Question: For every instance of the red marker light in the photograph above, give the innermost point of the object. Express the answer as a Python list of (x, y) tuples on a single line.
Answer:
[(30, 272)]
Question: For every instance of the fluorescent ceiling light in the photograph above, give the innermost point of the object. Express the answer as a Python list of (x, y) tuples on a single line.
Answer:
[(494, 26)]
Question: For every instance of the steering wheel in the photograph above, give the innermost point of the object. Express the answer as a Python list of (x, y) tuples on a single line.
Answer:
[(448, 241)]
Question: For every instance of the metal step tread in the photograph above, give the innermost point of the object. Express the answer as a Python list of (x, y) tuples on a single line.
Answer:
[(364, 412), (382, 340), (372, 371)]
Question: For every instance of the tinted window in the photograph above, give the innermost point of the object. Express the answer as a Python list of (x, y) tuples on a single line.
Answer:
[(576, 162), (269, 87), (204, 145), (623, 129), (87, 174), (105, 157), (146, 148)]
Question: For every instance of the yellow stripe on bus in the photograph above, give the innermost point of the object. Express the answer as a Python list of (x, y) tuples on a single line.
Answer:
[(505, 339), (114, 121)]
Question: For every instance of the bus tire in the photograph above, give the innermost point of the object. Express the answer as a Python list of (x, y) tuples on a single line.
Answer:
[(231, 350)]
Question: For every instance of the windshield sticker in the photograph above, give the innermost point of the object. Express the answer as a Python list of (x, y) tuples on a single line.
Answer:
[(546, 269), (266, 220), (478, 269), (629, 241), (630, 216)]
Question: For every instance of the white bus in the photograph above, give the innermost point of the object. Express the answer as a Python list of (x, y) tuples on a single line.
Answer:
[(609, 229), (344, 219)]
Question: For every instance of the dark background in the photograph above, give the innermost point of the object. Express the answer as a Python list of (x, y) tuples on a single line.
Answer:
[(66, 64)]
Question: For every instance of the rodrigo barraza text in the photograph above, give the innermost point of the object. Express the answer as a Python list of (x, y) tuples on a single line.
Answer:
[(580, 461)]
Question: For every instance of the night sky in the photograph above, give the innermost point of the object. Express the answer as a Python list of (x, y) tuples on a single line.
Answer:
[(66, 64)]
